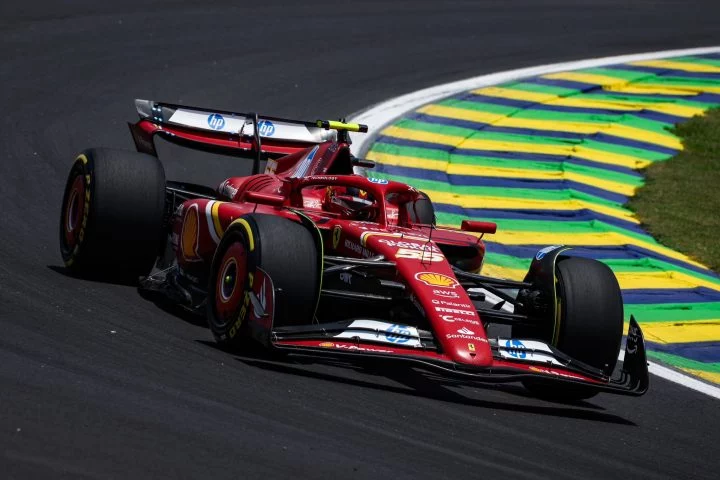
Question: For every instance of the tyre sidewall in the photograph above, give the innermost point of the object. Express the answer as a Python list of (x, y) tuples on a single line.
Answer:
[(122, 225), (591, 320), (287, 253), (72, 252), (232, 331)]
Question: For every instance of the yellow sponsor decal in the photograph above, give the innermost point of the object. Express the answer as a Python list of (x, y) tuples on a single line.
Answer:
[(216, 219), (436, 279), (189, 234), (337, 230)]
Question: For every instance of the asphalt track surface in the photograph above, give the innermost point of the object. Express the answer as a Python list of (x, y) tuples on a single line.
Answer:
[(97, 382)]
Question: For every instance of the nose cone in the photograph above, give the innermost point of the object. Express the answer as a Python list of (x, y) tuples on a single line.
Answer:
[(457, 327), (437, 292)]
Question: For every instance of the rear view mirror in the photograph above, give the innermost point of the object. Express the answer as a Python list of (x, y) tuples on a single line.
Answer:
[(478, 227)]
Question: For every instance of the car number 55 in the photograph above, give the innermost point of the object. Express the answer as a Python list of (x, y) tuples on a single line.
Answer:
[(424, 255)]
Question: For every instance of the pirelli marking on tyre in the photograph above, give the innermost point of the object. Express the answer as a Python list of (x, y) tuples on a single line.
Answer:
[(80, 192), (235, 328)]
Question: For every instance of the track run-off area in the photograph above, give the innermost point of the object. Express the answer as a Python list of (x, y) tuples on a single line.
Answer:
[(552, 154), (96, 382)]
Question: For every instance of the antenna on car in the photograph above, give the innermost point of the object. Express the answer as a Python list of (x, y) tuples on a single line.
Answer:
[(427, 246), (258, 145)]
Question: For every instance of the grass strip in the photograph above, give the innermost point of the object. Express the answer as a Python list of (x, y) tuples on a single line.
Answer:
[(680, 201)]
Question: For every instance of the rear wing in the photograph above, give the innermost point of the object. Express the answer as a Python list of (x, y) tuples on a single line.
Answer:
[(243, 134)]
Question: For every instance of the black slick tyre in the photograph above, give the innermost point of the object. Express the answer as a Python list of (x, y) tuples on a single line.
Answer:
[(591, 322), (112, 214), (282, 248)]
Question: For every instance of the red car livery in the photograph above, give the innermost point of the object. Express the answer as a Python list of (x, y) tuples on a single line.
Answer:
[(312, 257)]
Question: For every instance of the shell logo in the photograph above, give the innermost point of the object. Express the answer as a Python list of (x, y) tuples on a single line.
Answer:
[(436, 279)]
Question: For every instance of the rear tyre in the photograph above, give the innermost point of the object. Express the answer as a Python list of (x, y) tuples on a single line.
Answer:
[(286, 251), (112, 214), (591, 322)]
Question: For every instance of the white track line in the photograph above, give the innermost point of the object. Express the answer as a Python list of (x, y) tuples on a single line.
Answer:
[(385, 112), (377, 116)]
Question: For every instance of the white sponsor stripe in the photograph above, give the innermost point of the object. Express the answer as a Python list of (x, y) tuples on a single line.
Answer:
[(385, 112), (232, 123), (197, 119), (211, 224), (493, 299), (383, 332)]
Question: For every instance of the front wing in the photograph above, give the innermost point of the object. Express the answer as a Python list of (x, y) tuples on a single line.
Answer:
[(360, 339)]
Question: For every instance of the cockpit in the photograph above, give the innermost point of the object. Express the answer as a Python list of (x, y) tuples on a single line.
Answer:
[(354, 203)]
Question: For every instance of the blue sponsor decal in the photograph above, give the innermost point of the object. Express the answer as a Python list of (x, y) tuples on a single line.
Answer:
[(266, 128), (379, 181), (515, 348), (545, 251), (216, 121), (398, 334), (303, 166)]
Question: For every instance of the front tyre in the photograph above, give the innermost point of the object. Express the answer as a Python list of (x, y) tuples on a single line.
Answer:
[(590, 322), (282, 248), (112, 214)]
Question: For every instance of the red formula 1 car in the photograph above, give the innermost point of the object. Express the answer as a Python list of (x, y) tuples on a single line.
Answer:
[(309, 257)]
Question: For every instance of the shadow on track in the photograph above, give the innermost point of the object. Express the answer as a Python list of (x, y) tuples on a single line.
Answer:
[(99, 278), (423, 384), (156, 299), (419, 384)]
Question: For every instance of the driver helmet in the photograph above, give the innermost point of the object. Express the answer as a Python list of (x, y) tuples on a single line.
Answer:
[(350, 202)]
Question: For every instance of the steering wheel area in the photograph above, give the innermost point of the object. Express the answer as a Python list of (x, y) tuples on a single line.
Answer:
[(352, 207)]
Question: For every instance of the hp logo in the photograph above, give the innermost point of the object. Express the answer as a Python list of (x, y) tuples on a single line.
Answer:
[(397, 334), (266, 128), (515, 348), (216, 121)]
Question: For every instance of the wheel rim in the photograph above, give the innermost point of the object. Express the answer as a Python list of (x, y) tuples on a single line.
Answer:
[(74, 212), (230, 282)]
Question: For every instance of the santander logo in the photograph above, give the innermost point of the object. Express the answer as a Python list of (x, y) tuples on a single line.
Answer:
[(465, 331)]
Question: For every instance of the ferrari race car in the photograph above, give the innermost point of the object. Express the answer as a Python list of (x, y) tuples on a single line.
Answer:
[(310, 257)]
